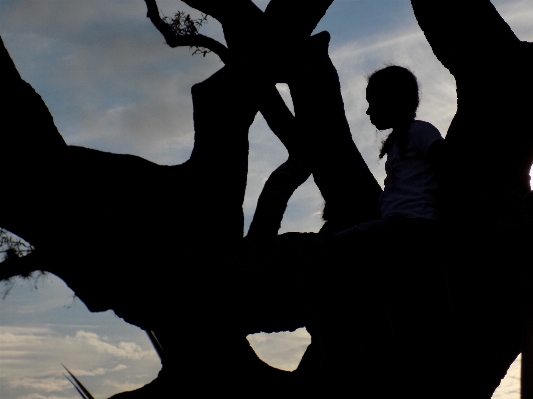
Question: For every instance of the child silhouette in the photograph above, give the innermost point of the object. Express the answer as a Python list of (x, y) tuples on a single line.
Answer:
[(409, 202)]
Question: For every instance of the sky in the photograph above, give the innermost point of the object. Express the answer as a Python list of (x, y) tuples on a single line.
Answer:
[(112, 84)]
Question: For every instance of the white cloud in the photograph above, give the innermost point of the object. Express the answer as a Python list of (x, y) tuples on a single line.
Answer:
[(40, 396), (127, 350), (41, 384), (97, 371), (282, 350), (30, 361), (510, 385), (120, 386)]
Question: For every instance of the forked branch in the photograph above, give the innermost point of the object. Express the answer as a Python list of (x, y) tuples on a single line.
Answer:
[(187, 38)]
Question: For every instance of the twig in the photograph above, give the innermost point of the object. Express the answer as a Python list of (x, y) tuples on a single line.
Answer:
[(188, 38)]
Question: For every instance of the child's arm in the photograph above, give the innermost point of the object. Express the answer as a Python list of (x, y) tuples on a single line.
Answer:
[(435, 152), (430, 143), (435, 156)]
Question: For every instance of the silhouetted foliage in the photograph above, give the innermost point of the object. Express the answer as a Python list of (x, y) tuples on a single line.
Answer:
[(11, 245), (184, 25)]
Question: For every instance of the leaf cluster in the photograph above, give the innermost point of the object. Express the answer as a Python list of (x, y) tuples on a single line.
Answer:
[(184, 25), (13, 246)]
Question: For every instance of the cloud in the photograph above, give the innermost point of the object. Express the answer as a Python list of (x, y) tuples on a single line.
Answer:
[(40, 396), (98, 371), (120, 386), (510, 385), (282, 350), (31, 358), (127, 350), (41, 384)]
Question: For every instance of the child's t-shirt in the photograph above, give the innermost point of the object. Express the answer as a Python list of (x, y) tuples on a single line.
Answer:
[(411, 184)]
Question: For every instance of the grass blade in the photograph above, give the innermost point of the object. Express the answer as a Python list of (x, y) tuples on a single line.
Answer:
[(86, 393), (157, 345), (75, 387)]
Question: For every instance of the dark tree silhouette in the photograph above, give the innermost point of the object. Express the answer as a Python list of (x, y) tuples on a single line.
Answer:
[(489, 157), (96, 205)]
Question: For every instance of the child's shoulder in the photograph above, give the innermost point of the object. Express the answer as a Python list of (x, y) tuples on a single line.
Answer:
[(422, 134), (423, 127)]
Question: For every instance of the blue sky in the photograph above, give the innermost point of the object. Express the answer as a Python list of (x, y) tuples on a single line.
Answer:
[(112, 84)]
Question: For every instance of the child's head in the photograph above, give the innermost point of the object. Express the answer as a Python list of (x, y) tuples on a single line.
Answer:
[(392, 95)]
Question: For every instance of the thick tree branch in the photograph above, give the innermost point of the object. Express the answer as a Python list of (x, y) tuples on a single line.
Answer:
[(265, 54), (220, 10), (272, 106), (31, 148), (24, 266), (492, 69), (281, 184), (294, 21), (276, 193), (9, 71), (174, 40), (242, 22), (460, 34), (279, 118), (526, 366), (489, 155), (233, 12), (350, 190), (298, 17)]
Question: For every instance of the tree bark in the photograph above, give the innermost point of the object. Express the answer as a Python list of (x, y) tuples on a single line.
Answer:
[(275, 196), (342, 198), (489, 155), (299, 18), (349, 189), (104, 186), (464, 35), (490, 140)]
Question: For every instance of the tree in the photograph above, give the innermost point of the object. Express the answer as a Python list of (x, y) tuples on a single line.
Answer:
[(104, 185), (483, 195)]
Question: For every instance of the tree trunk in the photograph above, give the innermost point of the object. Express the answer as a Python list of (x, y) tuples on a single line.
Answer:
[(349, 189), (489, 155)]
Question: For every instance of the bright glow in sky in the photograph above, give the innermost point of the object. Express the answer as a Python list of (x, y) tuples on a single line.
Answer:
[(112, 84)]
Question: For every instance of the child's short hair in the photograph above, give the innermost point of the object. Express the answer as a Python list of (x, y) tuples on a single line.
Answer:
[(400, 84)]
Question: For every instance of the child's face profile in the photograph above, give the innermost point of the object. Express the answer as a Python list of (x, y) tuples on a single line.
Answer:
[(384, 109), (381, 109)]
